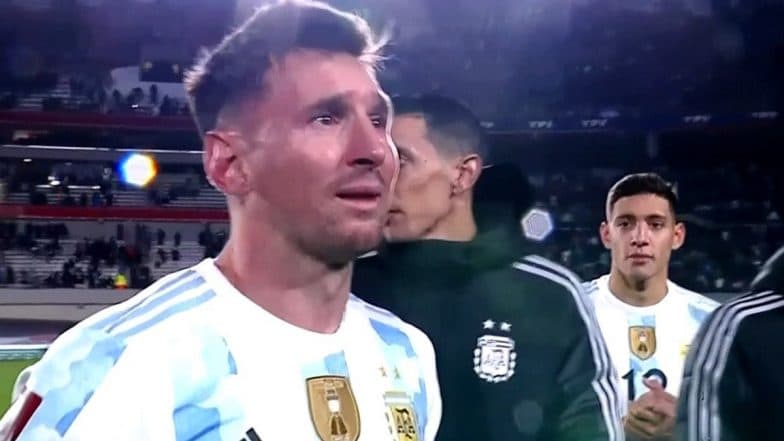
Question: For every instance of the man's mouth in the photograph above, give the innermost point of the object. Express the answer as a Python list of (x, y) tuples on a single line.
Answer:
[(364, 197)]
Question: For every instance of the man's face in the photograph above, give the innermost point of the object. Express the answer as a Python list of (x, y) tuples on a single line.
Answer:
[(424, 188), (641, 233), (320, 161)]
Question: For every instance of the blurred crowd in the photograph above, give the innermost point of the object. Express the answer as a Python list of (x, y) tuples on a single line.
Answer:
[(90, 184), (732, 222), (537, 60), (87, 92), (28, 250)]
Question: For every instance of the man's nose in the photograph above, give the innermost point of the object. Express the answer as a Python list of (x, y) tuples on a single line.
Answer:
[(368, 145), (641, 235)]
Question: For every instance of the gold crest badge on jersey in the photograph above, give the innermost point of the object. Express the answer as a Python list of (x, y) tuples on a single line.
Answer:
[(401, 416), (642, 341), (333, 408)]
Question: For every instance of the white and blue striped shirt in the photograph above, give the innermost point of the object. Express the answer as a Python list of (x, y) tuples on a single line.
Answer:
[(191, 358), (648, 341)]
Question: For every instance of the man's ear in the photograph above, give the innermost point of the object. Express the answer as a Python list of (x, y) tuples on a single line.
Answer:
[(221, 163), (679, 235), (604, 234), (468, 170)]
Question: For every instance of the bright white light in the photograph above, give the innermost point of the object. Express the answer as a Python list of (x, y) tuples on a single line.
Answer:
[(537, 224), (138, 170), (27, 160)]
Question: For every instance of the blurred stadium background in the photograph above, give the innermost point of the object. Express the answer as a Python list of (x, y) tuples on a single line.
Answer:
[(101, 189)]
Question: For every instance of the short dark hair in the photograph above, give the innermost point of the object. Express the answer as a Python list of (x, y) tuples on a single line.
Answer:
[(642, 183), (451, 126), (234, 70)]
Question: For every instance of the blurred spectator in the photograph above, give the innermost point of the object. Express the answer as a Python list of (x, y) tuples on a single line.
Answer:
[(154, 94), (120, 282)]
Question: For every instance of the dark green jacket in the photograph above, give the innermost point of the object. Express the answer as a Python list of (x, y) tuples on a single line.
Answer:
[(733, 386), (519, 355)]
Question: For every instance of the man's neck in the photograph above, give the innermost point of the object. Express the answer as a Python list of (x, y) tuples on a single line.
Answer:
[(286, 283), (458, 226), (647, 293)]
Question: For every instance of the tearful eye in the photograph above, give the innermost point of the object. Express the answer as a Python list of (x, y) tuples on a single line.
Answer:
[(378, 121), (325, 120)]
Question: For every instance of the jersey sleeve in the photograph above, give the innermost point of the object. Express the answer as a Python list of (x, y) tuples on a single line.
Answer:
[(716, 401), (587, 406), (427, 359), (86, 387), (589, 410)]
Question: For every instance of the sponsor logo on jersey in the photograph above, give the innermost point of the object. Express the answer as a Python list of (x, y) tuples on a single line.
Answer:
[(494, 356), (333, 408), (251, 435), (642, 341)]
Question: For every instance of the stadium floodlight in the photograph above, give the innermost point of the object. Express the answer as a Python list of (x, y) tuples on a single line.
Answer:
[(138, 170), (537, 224)]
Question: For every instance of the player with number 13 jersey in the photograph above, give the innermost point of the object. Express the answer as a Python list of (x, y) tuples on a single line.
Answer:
[(647, 321)]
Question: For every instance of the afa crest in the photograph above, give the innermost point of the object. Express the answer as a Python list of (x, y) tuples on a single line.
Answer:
[(642, 341), (401, 417), (495, 358)]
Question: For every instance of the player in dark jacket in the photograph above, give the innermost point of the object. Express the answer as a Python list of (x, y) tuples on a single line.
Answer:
[(519, 354), (733, 384)]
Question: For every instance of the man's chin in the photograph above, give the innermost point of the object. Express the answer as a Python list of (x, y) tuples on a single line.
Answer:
[(339, 250), (639, 278), (365, 242)]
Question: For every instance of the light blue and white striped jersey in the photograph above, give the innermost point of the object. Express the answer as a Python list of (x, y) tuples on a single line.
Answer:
[(191, 358), (648, 341)]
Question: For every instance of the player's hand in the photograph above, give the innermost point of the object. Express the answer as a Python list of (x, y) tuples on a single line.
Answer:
[(652, 416)]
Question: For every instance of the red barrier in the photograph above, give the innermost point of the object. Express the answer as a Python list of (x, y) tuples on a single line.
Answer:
[(15, 211)]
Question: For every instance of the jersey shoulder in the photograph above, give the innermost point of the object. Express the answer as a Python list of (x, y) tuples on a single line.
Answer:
[(93, 346), (116, 350), (548, 275), (561, 290), (592, 287), (700, 306), (732, 315), (391, 328)]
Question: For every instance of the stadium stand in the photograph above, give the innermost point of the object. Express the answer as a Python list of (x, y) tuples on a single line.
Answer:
[(576, 104)]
